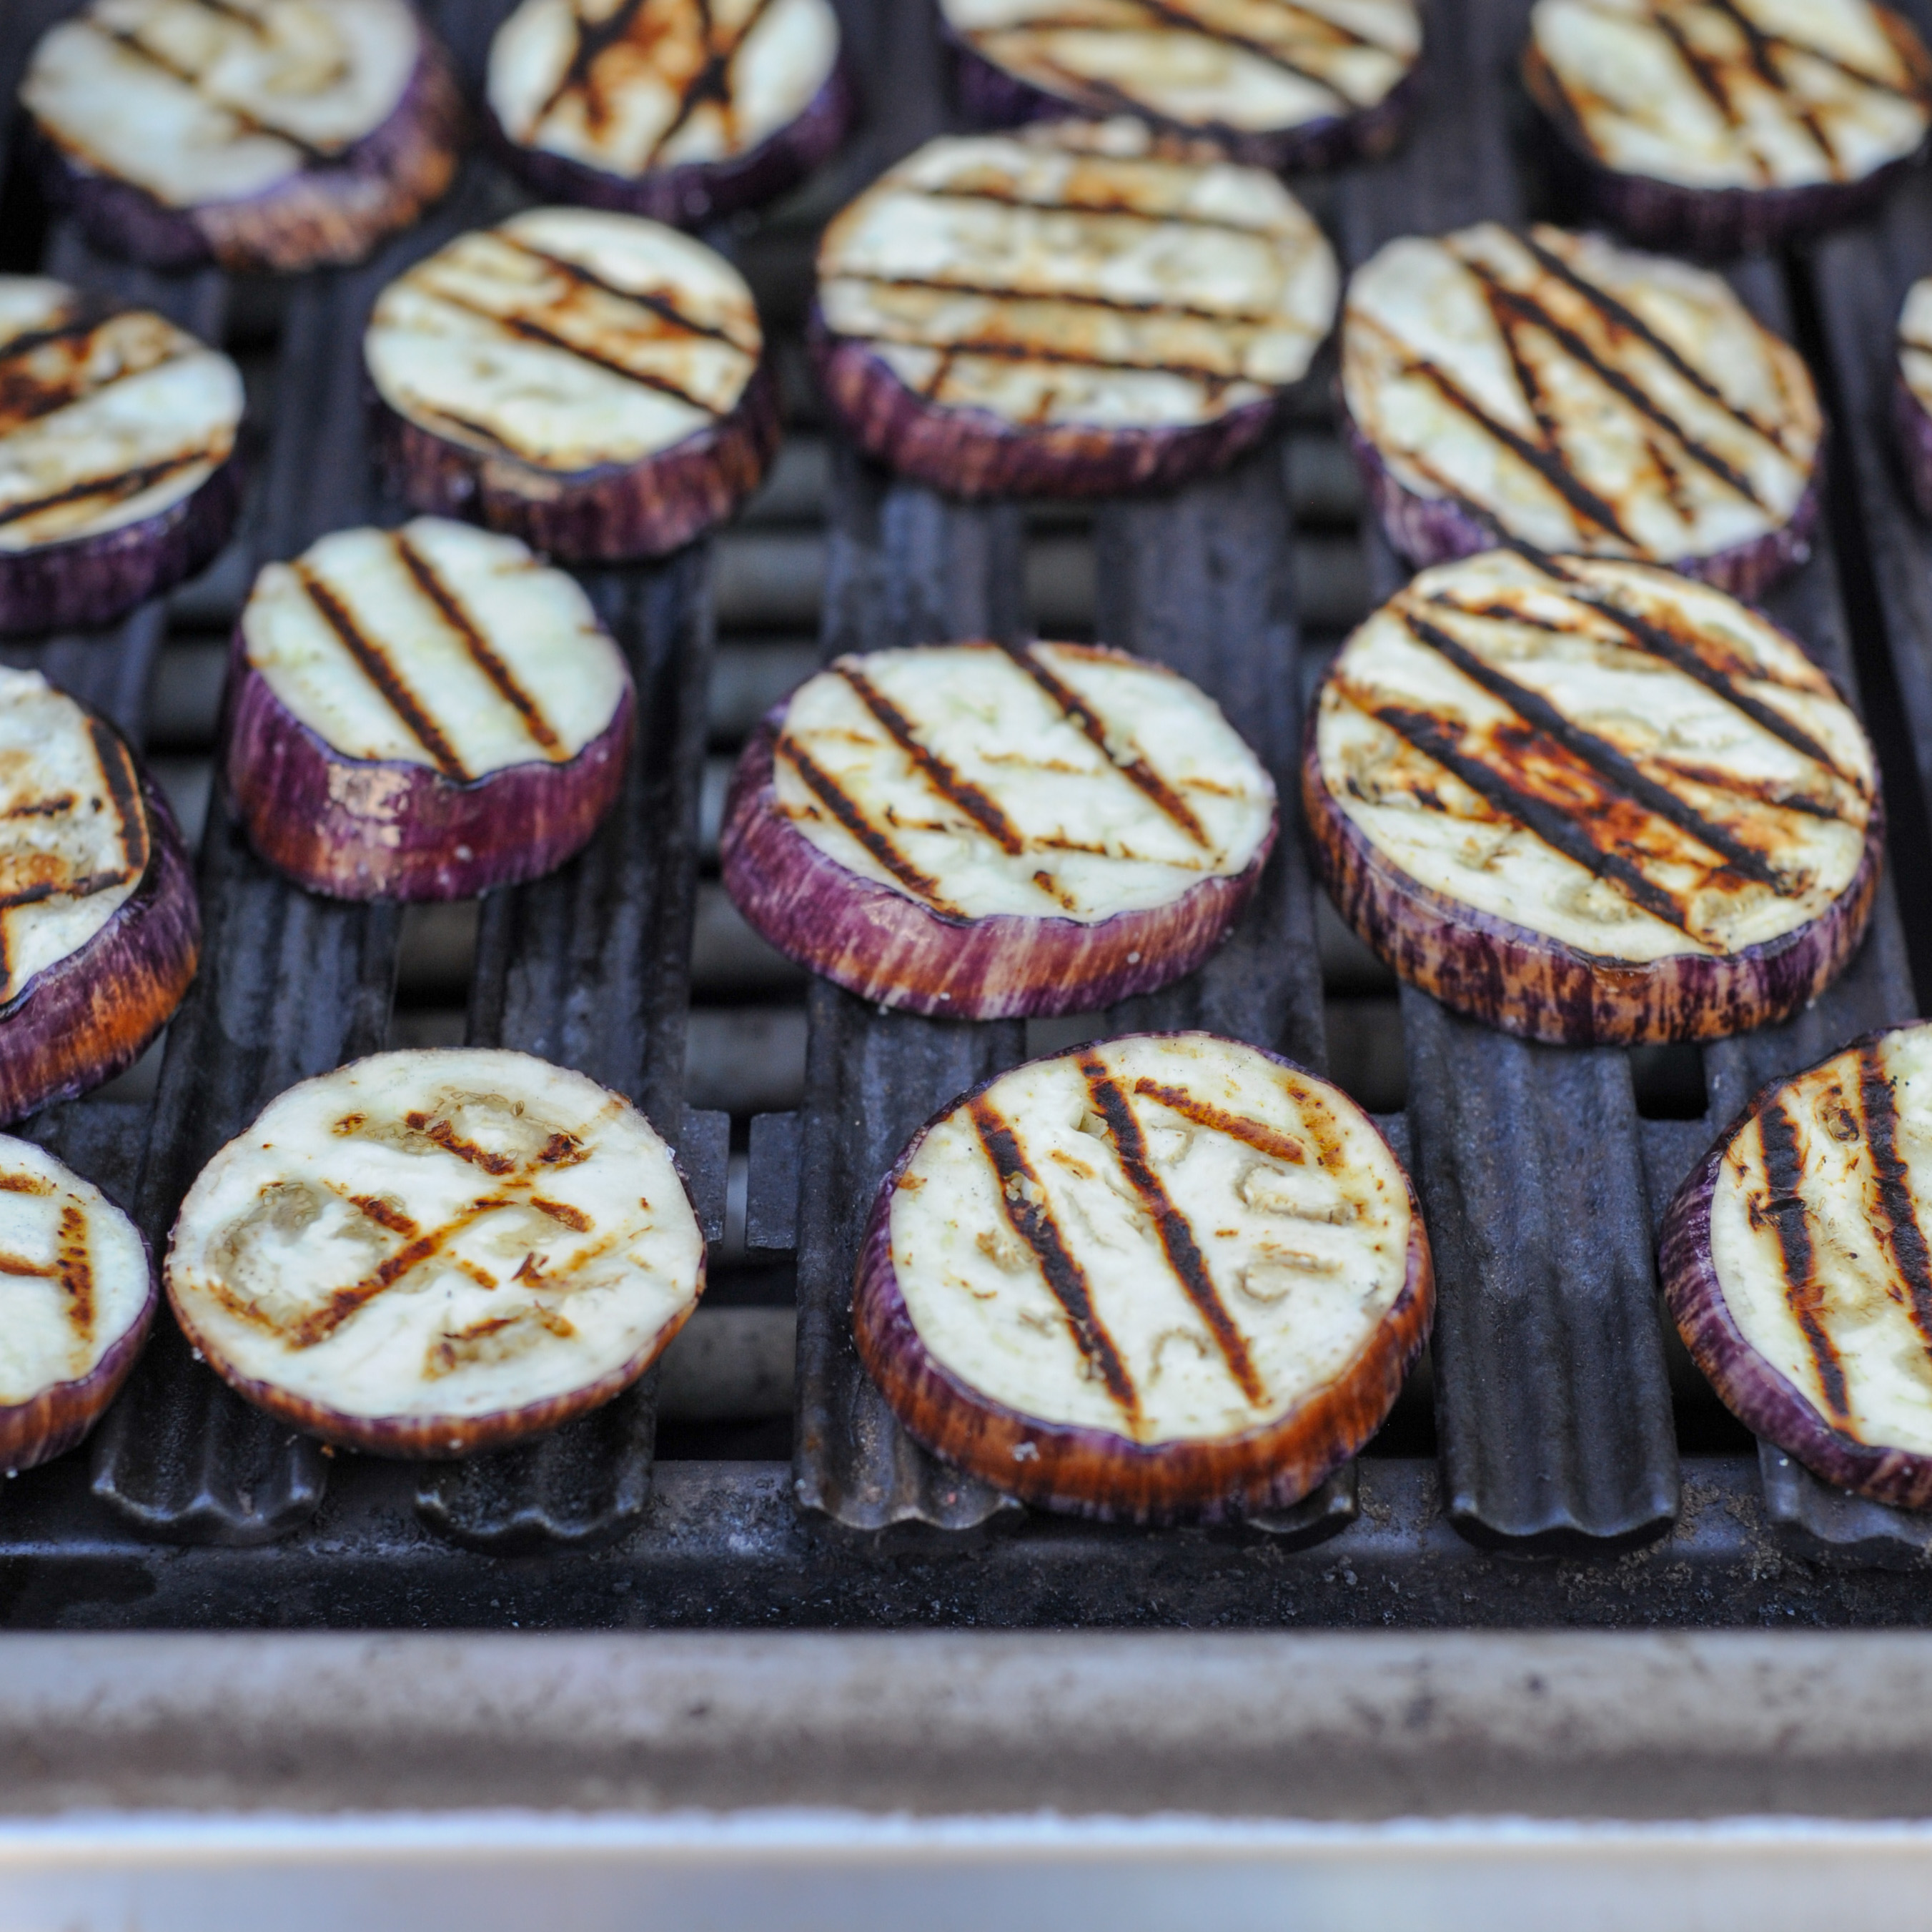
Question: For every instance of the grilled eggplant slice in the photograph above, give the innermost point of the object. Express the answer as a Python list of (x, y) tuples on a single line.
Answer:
[(1279, 83), (1161, 1277), (118, 471), (427, 1254), (1911, 392), (284, 134), (1592, 802), (975, 831), (99, 930), (1709, 126), (79, 1298), (679, 110), (591, 383), (1794, 1259), (1066, 312), (1551, 390), (422, 714)]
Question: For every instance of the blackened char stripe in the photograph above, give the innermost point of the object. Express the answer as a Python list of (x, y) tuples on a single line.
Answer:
[(1099, 211), (1072, 298), (1757, 45), (962, 793), (114, 489), (247, 122), (827, 790), (654, 301), (1602, 757), (377, 667), (1177, 1235), (1136, 769), (1784, 1207), (1879, 1102), (1024, 1202), (593, 38), (712, 81), (1170, 15), (1256, 1134), (1549, 822), (459, 620), (123, 788), (1707, 76), (998, 349)]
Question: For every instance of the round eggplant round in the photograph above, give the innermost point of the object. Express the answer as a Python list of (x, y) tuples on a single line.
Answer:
[(429, 1254), (1713, 127), (119, 475), (1284, 84), (258, 134), (1066, 312), (591, 383), (80, 1298), (1550, 390), (1592, 802), (100, 933), (422, 713), (1912, 393), (976, 832), (1157, 1279), (678, 110), (1794, 1260)]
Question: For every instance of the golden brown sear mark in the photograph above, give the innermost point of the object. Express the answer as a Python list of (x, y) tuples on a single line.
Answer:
[(1256, 1134)]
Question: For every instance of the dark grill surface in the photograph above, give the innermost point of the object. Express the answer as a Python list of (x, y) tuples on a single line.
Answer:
[(1556, 1418)]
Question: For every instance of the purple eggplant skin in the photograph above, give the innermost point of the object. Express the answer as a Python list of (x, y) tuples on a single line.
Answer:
[(324, 216), (989, 96), (892, 951), (93, 579), (1528, 983), (1078, 1471), (55, 1418), (1713, 223), (696, 192), (433, 1438), (972, 454), (370, 829), (1427, 530), (1769, 1404), (1913, 428), (93, 1014), (614, 514)]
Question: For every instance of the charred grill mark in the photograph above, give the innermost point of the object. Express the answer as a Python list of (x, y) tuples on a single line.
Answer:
[(658, 304), (247, 122), (1177, 1235), (995, 350), (43, 808), (1757, 46), (24, 1183), (1023, 1200), (962, 792), (115, 489), (1878, 1100), (343, 1303), (1602, 757), (1763, 791), (561, 1211), (1877, 82), (123, 788), (1620, 316), (1256, 1134), (375, 665), (1103, 209), (450, 608), (593, 38), (28, 397), (712, 81), (18, 1265), (826, 790), (383, 1213), (1708, 79), (1527, 309), (76, 1269), (445, 1136), (1784, 1207), (522, 327), (1550, 821), (1168, 14), (1136, 770), (1654, 640), (1077, 298), (1577, 495)]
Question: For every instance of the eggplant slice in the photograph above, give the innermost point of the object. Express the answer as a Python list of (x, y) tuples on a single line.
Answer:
[(1592, 802), (1278, 83), (119, 472), (1794, 1261), (427, 1254), (422, 713), (975, 831), (1067, 311), (1711, 127), (100, 934), (680, 110), (1164, 1277), (79, 1290), (1552, 390), (283, 134), (1911, 392), (590, 382)]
